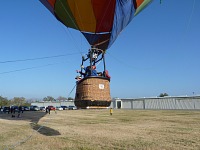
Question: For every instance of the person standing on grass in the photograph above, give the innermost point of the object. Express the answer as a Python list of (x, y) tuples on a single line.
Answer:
[(46, 110), (49, 109), (19, 111), (12, 110), (111, 111)]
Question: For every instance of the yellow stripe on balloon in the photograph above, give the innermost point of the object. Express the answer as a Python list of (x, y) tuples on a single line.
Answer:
[(83, 13)]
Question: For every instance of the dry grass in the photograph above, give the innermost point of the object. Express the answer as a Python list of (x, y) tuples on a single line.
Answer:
[(97, 130)]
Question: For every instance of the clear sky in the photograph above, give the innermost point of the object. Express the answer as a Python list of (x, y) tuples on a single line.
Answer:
[(158, 52)]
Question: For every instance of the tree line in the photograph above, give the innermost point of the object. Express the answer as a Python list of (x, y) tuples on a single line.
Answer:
[(17, 101)]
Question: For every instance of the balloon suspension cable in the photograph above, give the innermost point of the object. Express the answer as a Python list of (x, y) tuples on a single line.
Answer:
[(98, 62), (71, 91)]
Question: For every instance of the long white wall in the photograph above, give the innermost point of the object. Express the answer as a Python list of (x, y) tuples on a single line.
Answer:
[(45, 104), (158, 103)]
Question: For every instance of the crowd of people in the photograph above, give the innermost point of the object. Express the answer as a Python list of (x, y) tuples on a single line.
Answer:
[(13, 110)]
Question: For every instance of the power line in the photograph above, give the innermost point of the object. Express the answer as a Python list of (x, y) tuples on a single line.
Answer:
[(38, 58), (29, 68), (191, 14)]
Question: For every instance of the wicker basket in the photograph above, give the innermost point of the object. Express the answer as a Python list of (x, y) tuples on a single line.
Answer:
[(93, 92)]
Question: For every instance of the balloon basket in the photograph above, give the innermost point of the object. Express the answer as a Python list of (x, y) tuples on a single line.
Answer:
[(93, 92)]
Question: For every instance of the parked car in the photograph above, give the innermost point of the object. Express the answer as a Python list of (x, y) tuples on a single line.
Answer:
[(34, 108), (64, 107), (51, 108), (14, 108), (6, 109), (42, 108), (59, 108), (25, 108), (72, 107)]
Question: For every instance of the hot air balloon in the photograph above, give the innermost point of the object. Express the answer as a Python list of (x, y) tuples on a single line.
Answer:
[(100, 22)]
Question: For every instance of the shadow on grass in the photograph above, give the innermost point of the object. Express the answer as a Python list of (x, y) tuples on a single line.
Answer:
[(33, 117), (44, 130)]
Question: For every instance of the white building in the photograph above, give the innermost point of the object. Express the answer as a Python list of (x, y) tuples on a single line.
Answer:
[(167, 102)]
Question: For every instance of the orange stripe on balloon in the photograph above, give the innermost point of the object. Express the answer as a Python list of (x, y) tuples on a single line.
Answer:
[(138, 3)]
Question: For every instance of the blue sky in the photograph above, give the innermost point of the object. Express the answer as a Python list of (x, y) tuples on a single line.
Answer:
[(157, 52)]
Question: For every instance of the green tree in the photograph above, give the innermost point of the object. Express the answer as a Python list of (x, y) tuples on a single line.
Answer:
[(18, 101), (4, 101), (70, 98), (163, 94), (27, 104), (48, 98), (61, 98)]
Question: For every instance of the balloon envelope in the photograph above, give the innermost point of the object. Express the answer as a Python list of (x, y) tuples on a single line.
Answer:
[(100, 21)]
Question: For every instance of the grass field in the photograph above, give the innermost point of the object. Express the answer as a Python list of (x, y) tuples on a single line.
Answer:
[(97, 130)]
